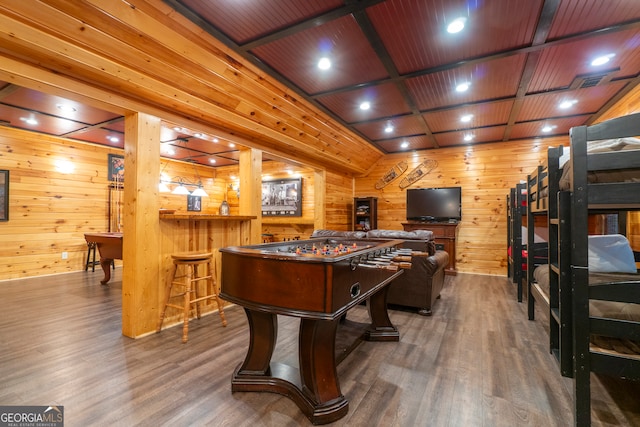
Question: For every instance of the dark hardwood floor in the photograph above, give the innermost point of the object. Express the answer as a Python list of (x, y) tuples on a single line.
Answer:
[(477, 361)]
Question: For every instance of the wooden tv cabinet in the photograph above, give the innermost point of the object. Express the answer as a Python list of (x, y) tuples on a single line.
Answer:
[(444, 234)]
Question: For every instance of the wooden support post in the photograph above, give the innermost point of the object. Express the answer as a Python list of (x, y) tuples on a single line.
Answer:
[(141, 233)]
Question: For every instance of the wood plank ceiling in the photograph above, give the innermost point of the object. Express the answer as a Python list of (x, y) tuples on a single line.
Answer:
[(520, 59)]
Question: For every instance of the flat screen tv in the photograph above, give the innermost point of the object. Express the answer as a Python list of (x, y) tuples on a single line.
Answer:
[(434, 204)]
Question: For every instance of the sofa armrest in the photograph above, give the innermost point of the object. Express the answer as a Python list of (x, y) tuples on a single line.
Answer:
[(439, 260)]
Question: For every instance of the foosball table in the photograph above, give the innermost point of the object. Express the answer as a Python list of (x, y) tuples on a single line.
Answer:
[(318, 281)]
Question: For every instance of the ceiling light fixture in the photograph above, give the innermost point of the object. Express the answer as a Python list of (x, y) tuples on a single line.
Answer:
[(601, 60), (404, 144), (182, 183), (324, 63), (456, 25), (388, 128), (66, 108), (29, 120), (567, 104), (463, 87), (468, 137), (113, 139), (466, 118), (180, 190), (365, 105), (548, 128)]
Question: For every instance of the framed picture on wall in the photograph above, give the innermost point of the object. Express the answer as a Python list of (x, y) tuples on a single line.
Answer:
[(194, 203), (116, 168), (282, 197), (4, 195)]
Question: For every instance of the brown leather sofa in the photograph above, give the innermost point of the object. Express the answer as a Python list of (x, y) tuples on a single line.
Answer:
[(418, 287)]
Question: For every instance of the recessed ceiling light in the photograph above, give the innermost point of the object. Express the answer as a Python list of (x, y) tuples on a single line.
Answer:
[(365, 105), (601, 60), (212, 160), (66, 108), (113, 139), (404, 144), (468, 137), (29, 120), (466, 118), (567, 104), (215, 139), (232, 145), (324, 63), (456, 25), (388, 128), (548, 128), (462, 87)]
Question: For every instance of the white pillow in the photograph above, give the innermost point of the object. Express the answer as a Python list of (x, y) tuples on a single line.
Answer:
[(610, 253)]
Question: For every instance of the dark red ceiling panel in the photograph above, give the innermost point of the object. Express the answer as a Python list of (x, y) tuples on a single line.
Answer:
[(536, 129), (352, 57), (482, 115), (414, 31), (559, 65), (449, 139), (398, 126), (36, 121), (405, 144), (56, 106), (99, 135), (488, 80), (385, 101), (579, 16), (247, 20), (587, 101)]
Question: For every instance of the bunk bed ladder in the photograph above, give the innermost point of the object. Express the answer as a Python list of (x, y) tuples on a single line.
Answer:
[(510, 197), (578, 223), (564, 299), (518, 196), (532, 208)]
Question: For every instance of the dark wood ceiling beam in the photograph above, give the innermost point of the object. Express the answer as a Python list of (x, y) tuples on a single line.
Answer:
[(378, 46), (548, 13)]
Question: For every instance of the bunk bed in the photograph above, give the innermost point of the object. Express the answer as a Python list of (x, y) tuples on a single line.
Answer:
[(516, 248), (546, 266), (596, 304)]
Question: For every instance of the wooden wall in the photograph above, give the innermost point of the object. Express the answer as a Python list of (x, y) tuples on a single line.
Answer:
[(49, 210), (485, 173)]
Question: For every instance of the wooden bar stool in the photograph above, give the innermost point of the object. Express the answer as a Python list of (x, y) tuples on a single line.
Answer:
[(188, 283)]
